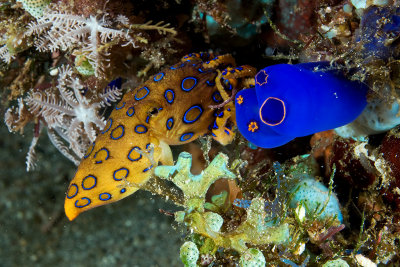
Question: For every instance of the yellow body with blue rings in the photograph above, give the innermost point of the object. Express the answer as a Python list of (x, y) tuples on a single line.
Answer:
[(171, 108)]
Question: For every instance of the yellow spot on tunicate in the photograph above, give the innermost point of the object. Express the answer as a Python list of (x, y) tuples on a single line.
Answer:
[(239, 100), (253, 126)]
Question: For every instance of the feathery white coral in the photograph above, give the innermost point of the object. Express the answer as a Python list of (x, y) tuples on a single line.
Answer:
[(69, 114), (89, 35), (5, 54)]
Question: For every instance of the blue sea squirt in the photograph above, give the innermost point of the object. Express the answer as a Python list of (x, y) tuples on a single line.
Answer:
[(290, 101)]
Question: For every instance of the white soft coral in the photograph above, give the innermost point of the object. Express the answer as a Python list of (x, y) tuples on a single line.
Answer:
[(90, 35), (69, 114)]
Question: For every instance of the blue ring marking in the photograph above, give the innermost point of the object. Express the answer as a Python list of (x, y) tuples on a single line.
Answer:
[(100, 161), (214, 97), (210, 83), (215, 126), (188, 89), (200, 70), (178, 67), (91, 150), (69, 197), (147, 146), (133, 150), (123, 190), (213, 134), (192, 107), (83, 182), (239, 68), (147, 93), (127, 172), (141, 132), (170, 101), (228, 83), (170, 123), (156, 79), (227, 132), (186, 136), (119, 107), (105, 196), (147, 118), (122, 134), (82, 206), (147, 169), (130, 112), (104, 130)]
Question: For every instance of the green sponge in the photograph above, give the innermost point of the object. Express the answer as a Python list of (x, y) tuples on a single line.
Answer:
[(35, 7)]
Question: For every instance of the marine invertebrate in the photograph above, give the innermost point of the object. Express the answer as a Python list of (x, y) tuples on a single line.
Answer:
[(171, 108), (89, 36), (317, 198), (252, 231), (314, 99), (68, 114), (195, 187), (189, 254), (378, 116), (252, 258), (35, 7), (336, 263)]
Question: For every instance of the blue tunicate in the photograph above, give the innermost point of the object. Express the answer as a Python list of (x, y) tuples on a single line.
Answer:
[(290, 101)]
